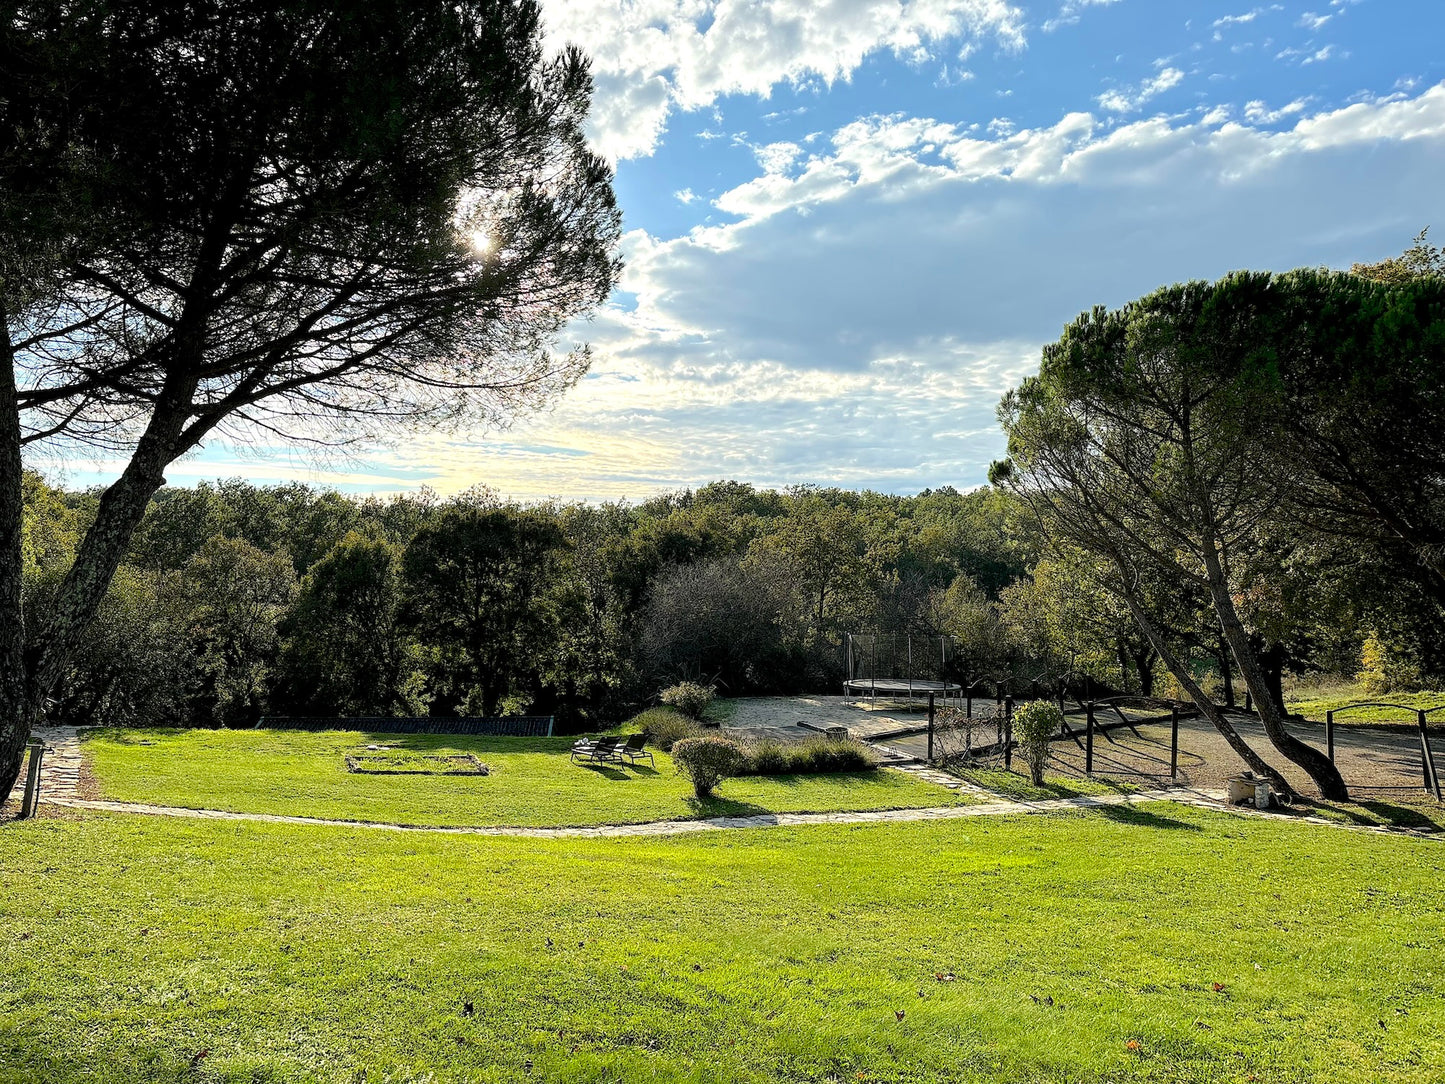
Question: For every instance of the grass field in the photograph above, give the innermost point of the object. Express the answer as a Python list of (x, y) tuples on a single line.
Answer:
[(1156, 944), (531, 781), (1017, 784), (1314, 701)]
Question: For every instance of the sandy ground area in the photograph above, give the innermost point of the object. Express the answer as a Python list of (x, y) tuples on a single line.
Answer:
[(1374, 762)]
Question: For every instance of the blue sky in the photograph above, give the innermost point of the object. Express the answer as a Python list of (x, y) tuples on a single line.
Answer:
[(851, 224)]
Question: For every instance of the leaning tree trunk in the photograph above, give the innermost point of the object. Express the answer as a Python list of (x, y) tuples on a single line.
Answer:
[(1201, 700), (1319, 767), (17, 707)]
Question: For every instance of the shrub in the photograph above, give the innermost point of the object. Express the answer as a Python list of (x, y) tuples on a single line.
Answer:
[(665, 727), (1386, 667), (768, 758), (814, 756), (708, 761), (1034, 724), (690, 698)]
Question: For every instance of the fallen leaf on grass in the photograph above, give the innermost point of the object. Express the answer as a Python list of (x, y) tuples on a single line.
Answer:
[(200, 1056), (898, 1013), (1132, 1044), (944, 976), (1219, 987)]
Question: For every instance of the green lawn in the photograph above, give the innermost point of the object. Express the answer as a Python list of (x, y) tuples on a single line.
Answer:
[(1017, 784), (1314, 703), (1162, 944), (532, 783)]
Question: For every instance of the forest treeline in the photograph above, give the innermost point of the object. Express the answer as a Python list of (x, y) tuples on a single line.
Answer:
[(237, 601)]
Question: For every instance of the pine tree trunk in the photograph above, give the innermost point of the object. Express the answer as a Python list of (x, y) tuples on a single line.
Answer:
[(1206, 706), (1318, 766), (16, 705)]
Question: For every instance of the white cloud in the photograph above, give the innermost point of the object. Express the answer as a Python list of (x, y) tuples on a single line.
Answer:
[(1257, 112), (1308, 56), (655, 57), (684, 195), (858, 321), (1129, 99), (1071, 12), (1246, 17), (1322, 54), (651, 57), (1312, 21)]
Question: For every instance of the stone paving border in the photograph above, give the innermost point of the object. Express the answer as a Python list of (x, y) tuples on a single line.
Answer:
[(1210, 800)]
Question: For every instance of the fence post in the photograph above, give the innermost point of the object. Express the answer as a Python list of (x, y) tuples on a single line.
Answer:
[(1089, 739), (32, 780), (1330, 734), (930, 728), (1008, 734), (1174, 743), (1427, 759)]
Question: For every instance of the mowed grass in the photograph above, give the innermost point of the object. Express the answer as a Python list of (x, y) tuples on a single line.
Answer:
[(1315, 702), (1162, 943), (531, 783), (1016, 784)]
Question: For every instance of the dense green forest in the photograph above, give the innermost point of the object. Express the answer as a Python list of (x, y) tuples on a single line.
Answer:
[(237, 601)]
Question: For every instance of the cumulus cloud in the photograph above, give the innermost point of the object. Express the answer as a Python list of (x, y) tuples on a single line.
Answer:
[(652, 57), (879, 288), (859, 320)]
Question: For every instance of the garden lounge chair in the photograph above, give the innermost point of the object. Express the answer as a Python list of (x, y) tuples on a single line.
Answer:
[(633, 749), (600, 751)]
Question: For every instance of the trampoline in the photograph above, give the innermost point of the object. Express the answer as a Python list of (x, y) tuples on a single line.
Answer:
[(899, 667)]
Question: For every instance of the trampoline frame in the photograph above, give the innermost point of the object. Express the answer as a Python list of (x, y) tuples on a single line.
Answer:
[(910, 687)]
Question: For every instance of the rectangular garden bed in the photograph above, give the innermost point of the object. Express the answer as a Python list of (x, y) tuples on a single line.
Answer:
[(403, 762)]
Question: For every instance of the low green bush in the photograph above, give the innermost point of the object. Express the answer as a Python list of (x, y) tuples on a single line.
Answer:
[(768, 758), (815, 756), (708, 761), (665, 727), (690, 698), (1034, 724)]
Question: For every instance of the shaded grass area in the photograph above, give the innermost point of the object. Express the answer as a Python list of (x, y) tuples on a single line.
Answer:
[(1416, 812), (1017, 785), (1154, 944), (532, 783)]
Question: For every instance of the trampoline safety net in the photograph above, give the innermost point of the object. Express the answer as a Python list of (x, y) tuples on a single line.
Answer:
[(899, 666)]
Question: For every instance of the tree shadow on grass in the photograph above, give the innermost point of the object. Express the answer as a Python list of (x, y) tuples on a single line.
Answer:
[(724, 807), (1143, 818), (1372, 813), (619, 772)]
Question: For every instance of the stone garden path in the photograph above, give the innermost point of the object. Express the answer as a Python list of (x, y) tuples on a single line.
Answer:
[(1213, 800), (59, 767)]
